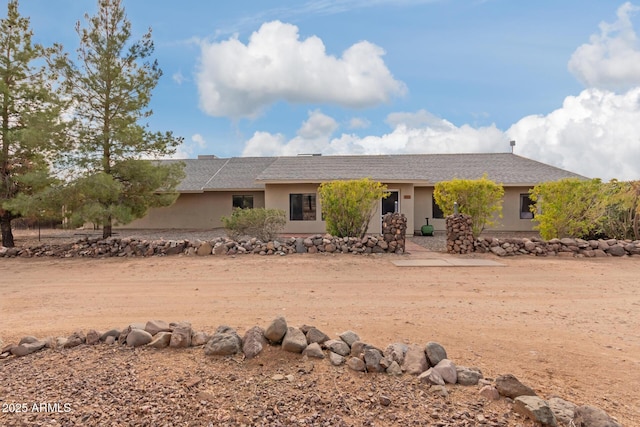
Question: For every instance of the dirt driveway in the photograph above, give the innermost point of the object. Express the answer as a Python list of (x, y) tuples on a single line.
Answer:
[(569, 327)]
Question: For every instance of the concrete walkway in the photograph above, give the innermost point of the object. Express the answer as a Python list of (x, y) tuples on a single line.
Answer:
[(422, 257)]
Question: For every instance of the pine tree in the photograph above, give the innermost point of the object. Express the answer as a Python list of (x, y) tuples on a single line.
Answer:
[(110, 86), (31, 129)]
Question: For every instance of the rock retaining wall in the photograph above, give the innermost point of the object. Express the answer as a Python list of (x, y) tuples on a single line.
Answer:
[(557, 247), (429, 362), (391, 241)]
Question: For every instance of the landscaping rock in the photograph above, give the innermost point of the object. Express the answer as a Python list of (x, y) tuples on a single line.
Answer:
[(138, 337), (316, 335), (372, 358), (27, 348), (349, 337), (468, 376), (224, 342), (489, 392), (115, 333), (508, 385), (155, 326), (313, 350), (356, 364), (562, 409), (276, 330), (431, 376), (415, 360), (199, 338), (447, 370), (396, 352), (253, 342), (536, 409), (590, 416), (181, 335), (160, 340), (336, 359), (75, 340), (294, 340), (93, 337), (338, 346), (435, 353)]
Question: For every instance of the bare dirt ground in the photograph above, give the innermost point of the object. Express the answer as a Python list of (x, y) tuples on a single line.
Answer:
[(566, 327)]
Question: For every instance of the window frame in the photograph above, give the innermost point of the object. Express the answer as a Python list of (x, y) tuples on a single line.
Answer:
[(436, 212), (310, 214), (526, 214), (243, 198)]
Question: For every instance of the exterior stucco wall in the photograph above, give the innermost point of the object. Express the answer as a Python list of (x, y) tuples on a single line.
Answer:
[(194, 210), (277, 197), (510, 220)]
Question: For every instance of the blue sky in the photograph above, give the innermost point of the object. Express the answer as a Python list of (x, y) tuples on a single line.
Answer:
[(561, 77)]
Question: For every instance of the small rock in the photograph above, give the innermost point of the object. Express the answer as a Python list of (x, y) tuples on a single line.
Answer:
[(447, 370), (435, 353), (489, 392), (138, 337), (396, 352), (415, 360), (338, 346), (372, 358), (316, 335), (276, 330), (384, 400), (155, 326), (356, 364), (562, 409), (439, 390), (199, 338), (294, 340), (394, 369), (224, 342), (27, 348), (336, 359), (313, 350), (181, 335), (349, 337), (590, 416), (508, 385), (160, 340), (253, 342), (536, 409), (75, 340), (93, 337), (431, 376), (111, 333), (468, 376)]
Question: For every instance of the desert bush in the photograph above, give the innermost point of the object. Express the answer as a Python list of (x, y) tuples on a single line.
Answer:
[(479, 198), (622, 210), (265, 224), (347, 206), (569, 207)]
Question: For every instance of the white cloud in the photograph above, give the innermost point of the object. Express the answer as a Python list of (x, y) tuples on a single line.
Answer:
[(188, 150), (406, 137), (178, 78), (241, 80), (359, 123), (596, 134), (611, 59)]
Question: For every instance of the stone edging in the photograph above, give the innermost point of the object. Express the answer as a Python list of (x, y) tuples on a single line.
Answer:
[(558, 247), (428, 362)]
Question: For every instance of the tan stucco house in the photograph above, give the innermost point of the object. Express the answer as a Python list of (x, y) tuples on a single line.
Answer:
[(214, 186)]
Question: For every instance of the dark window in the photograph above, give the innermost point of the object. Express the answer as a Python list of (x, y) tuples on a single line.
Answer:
[(243, 202), (302, 207), (436, 211), (525, 207)]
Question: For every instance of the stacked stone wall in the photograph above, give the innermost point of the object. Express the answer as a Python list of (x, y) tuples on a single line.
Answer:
[(391, 241), (565, 247), (459, 234)]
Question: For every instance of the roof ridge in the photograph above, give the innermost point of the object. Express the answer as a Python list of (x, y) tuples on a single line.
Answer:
[(214, 175)]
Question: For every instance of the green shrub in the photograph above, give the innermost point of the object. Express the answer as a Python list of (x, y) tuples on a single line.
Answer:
[(569, 207), (347, 206), (479, 198), (265, 224)]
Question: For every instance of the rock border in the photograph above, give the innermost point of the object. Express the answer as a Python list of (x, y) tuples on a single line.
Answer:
[(428, 362)]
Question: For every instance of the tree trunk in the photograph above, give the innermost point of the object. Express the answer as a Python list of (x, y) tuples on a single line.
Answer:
[(106, 228), (7, 234)]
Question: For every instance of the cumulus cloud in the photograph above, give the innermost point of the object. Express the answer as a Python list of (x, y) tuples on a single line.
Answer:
[(178, 78), (189, 149), (438, 136), (240, 80), (596, 134), (359, 123), (611, 59)]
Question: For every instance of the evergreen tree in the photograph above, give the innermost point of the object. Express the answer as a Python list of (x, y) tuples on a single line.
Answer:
[(31, 130), (110, 86)]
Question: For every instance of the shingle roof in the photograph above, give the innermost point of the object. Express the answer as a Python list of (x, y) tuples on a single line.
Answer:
[(504, 168), (247, 173)]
